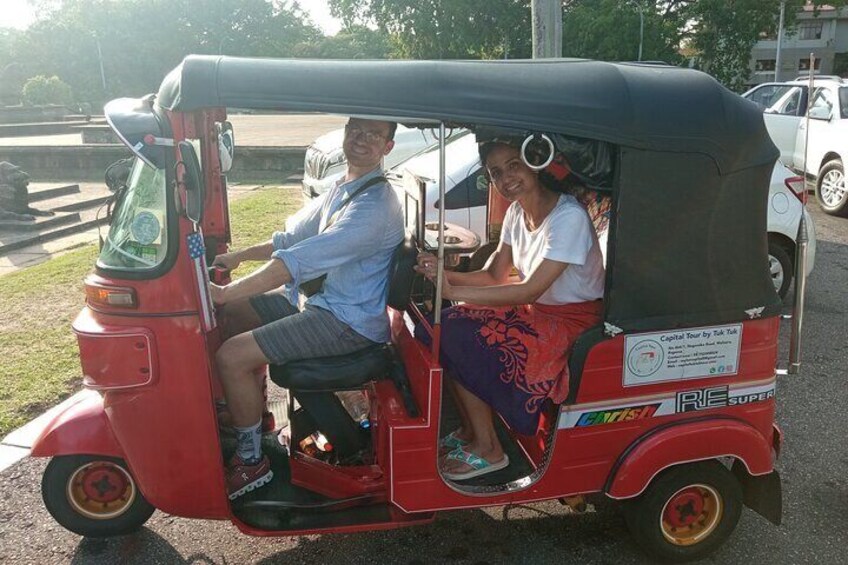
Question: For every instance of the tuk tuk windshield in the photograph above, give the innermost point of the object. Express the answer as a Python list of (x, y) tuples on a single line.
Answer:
[(137, 237)]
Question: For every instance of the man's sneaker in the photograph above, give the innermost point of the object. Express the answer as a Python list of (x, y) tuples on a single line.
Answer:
[(242, 478)]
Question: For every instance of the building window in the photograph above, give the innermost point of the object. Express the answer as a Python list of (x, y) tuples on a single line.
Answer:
[(810, 30), (804, 64), (764, 65)]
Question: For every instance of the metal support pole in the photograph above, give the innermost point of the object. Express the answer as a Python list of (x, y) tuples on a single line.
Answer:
[(778, 58), (547, 28), (440, 264), (641, 30), (801, 242)]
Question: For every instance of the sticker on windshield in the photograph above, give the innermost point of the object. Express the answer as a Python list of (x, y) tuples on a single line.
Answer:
[(146, 227), (685, 354)]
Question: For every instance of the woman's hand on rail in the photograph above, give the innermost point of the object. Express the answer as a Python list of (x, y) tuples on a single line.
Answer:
[(427, 263)]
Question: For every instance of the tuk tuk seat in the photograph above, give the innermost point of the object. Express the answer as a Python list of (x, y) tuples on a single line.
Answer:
[(341, 372), (313, 382)]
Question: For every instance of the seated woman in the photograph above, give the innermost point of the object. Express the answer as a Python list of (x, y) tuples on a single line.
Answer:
[(506, 347)]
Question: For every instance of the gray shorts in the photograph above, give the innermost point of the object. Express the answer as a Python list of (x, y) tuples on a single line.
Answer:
[(287, 333)]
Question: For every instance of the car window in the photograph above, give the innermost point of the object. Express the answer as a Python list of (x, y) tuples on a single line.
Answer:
[(843, 102), (781, 99), (823, 101), (789, 104), (467, 194)]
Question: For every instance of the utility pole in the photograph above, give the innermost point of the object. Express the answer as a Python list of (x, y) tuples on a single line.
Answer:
[(777, 58), (547, 28)]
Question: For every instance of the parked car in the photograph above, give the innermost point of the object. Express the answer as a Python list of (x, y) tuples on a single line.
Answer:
[(784, 109), (325, 162), (466, 197)]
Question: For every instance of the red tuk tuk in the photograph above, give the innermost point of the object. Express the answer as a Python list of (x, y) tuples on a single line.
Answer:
[(671, 400)]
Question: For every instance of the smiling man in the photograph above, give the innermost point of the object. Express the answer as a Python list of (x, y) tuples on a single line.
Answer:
[(342, 243)]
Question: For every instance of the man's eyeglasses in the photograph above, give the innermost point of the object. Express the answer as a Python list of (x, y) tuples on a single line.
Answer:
[(369, 136)]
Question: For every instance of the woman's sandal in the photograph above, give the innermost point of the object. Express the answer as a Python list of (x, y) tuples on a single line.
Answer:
[(451, 442), (479, 466)]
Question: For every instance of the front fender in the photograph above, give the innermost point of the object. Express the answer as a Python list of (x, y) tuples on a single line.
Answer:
[(684, 443), (81, 428)]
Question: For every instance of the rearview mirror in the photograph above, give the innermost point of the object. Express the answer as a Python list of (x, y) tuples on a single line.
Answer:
[(820, 113), (482, 183), (193, 182)]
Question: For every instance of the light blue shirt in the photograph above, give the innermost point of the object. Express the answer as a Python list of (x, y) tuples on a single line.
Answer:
[(355, 252)]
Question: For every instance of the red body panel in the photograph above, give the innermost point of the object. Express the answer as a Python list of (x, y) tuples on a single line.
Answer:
[(693, 441), (167, 426), (584, 457), (80, 429)]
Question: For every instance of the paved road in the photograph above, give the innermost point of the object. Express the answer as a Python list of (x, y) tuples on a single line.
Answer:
[(813, 465)]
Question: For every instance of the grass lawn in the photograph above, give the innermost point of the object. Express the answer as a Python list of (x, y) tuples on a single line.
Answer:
[(39, 362)]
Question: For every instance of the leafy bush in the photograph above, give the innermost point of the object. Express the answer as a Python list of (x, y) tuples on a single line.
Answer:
[(41, 90)]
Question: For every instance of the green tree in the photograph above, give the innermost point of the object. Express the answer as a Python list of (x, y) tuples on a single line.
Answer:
[(138, 41), (445, 29), (41, 90), (609, 30), (353, 42)]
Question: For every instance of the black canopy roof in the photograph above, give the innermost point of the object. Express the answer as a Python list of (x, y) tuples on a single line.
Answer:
[(645, 106)]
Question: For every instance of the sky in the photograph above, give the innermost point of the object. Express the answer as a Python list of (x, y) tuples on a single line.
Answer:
[(19, 14)]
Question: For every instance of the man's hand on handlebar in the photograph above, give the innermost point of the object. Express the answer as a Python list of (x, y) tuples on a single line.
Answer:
[(229, 260)]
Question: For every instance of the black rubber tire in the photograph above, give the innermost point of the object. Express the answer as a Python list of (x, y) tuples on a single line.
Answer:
[(54, 491), (643, 514), (841, 207), (781, 254)]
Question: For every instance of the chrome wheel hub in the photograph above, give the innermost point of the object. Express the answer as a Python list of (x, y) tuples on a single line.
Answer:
[(833, 188)]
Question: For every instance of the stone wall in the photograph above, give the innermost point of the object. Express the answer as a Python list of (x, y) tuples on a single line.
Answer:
[(88, 163)]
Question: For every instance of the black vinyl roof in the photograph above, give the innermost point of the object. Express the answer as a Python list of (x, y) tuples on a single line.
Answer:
[(646, 106)]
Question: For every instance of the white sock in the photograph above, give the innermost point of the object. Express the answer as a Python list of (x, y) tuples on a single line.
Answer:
[(249, 443)]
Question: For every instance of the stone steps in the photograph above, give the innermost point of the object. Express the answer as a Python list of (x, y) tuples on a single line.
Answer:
[(76, 210)]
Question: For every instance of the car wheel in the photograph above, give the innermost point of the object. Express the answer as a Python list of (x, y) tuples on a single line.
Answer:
[(687, 512), (831, 192), (780, 268), (93, 496)]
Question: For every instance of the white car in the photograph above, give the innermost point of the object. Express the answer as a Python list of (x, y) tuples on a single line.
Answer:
[(784, 107), (466, 199), (325, 162)]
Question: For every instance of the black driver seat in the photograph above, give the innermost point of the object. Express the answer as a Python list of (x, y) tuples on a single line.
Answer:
[(314, 382)]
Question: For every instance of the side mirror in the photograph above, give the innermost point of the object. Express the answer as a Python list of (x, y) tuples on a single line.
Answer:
[(193, 182), (820, 113)]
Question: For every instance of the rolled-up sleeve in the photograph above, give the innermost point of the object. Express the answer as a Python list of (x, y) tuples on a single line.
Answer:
[(350, 238), (301, 225)]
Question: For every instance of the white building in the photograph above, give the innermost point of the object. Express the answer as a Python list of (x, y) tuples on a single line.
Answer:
[(825, 35)]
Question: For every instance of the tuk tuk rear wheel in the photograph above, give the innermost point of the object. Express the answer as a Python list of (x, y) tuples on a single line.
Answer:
[(93, 496), (687, 512)]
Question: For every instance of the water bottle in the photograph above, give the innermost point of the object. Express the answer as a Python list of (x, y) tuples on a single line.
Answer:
[(357, 405)]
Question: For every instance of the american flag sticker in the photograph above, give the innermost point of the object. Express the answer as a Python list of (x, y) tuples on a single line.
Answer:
[(197, 252)]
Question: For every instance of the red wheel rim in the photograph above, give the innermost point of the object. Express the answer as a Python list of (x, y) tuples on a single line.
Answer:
[(101, 490), (691, 514)]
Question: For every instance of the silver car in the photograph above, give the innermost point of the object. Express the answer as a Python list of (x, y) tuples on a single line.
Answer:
[(325, 162)]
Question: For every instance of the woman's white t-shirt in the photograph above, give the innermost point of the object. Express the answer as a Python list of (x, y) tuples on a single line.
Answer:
[(566, 235)]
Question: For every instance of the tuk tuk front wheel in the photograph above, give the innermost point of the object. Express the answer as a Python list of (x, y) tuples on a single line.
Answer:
[(687, 512), (93, 496)]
